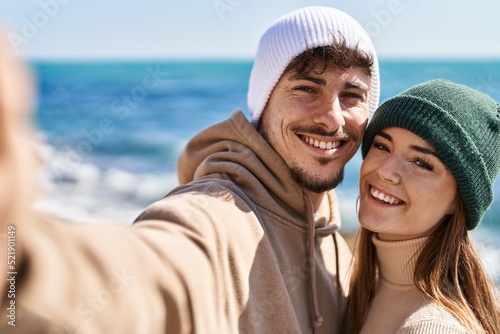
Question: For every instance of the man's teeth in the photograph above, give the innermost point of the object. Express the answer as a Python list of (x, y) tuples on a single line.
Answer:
[(383, 197), (322, 144)]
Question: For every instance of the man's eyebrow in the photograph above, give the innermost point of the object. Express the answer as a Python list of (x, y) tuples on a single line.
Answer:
[(316, 80), (356, 85), (420, 149), (322, 82)]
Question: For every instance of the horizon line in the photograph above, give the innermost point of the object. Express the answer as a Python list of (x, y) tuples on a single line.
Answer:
[(244, 59)]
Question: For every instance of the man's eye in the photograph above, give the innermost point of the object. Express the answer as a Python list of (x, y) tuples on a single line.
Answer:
[(306, 89), (353, 96)]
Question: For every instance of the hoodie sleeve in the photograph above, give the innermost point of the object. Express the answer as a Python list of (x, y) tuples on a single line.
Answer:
[(152, 277)]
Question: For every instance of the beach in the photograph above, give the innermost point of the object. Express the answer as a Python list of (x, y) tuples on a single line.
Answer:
[(109, 133)]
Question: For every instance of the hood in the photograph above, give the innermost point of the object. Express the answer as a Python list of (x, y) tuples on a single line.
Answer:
[(236, 149)]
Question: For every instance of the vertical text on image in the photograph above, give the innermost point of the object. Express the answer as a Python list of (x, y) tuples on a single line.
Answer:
[(11, 274)]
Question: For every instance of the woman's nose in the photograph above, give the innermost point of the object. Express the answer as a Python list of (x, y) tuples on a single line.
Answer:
[(390, 169)]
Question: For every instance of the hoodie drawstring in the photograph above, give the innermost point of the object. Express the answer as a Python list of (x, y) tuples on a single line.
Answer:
[(318, 319)]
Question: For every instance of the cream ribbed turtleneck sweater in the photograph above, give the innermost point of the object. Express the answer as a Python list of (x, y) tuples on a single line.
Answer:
[(398, 307)]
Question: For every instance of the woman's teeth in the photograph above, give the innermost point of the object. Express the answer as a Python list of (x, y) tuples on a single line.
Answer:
[(384, 197)]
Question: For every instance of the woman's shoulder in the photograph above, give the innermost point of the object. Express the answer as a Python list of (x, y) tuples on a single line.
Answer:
[(432, 318)]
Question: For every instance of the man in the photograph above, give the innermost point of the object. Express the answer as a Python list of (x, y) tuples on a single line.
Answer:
[(248, 243)]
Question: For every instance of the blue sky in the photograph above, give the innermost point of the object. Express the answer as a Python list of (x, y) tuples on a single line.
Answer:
[(231, 28)]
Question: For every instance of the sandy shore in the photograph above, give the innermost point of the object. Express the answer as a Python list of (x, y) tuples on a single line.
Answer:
[(350, 238)]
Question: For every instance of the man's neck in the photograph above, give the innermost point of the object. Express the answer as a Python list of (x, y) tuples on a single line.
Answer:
[(316, 199)]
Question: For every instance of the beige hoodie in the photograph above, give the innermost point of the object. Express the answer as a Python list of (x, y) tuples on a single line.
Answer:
[(234, 251)]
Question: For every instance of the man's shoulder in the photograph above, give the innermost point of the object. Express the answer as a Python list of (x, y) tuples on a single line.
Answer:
[(206, 196), (219, 188)]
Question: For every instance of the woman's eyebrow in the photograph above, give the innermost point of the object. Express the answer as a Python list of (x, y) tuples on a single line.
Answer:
[(423, 150), (417, 148), (385, 135)]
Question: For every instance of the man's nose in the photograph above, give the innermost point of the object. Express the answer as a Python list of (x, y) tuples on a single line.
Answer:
[(331, 115)]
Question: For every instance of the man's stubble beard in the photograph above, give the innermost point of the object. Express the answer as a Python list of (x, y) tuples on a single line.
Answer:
[(314, 183), (302, 177)]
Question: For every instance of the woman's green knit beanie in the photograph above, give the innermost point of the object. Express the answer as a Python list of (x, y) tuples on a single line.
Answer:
[(463, 127)]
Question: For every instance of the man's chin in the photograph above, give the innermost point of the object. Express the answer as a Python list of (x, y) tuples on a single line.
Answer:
[(316, 184)]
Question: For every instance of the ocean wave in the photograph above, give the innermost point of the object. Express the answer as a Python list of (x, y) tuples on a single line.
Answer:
[(84, 192)]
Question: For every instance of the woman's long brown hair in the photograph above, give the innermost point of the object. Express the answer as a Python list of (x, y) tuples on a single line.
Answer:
[(448, 271)]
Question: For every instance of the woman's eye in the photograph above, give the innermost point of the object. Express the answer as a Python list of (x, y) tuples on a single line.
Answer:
[(423, 164), (380, 146)]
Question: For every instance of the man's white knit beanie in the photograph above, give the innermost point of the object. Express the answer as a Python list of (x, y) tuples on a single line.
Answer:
[(296, 32)]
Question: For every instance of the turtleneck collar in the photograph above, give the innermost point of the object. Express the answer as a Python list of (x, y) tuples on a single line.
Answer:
[(397, 260)]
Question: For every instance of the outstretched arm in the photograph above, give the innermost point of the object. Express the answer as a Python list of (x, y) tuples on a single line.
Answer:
[(153, 277)]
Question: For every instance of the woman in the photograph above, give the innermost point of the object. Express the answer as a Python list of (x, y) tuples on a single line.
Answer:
[(431, 155)]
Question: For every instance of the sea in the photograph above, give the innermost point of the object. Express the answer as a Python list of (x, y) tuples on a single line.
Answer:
[(109, 132)]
